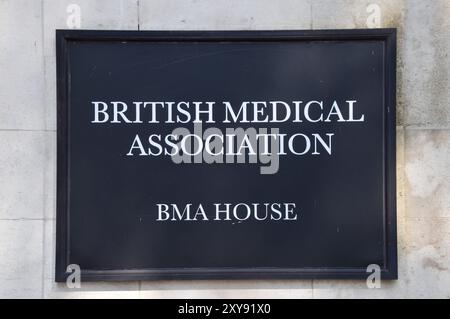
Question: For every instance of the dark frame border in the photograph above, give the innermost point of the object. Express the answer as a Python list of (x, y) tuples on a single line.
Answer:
[(389, 271)]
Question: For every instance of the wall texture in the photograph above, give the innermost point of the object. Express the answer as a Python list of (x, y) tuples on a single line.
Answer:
[(28, 136)]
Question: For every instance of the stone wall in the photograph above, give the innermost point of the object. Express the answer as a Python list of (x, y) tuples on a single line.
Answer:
[(28, 135)]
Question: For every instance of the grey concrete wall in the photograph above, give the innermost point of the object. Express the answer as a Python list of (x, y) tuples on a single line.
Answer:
[(28, 136)]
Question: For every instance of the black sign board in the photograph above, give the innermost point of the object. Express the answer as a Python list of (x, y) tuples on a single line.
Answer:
[(197, 155)]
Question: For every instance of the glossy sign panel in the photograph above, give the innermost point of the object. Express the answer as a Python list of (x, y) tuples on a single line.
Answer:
[(226, 154)]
